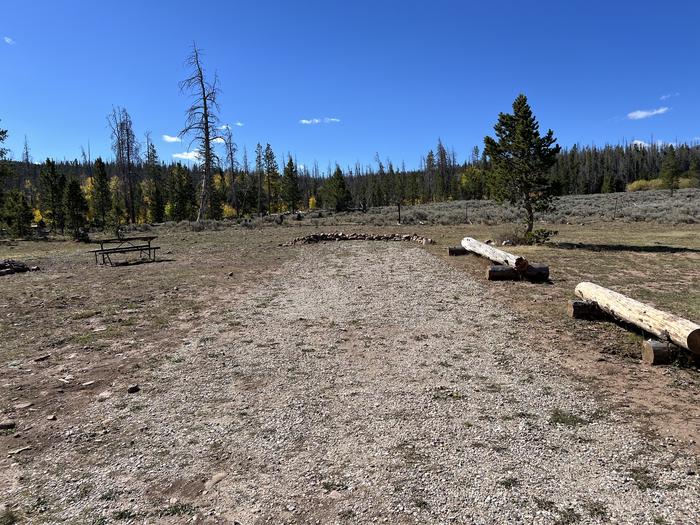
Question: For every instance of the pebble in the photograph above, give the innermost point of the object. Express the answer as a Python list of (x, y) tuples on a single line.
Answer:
[(103, 396), (7, 425), (132, 389)]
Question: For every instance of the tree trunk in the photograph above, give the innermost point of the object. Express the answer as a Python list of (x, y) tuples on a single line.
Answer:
[(494, 254), (530, 217), (662, 324), (497, 272), (457, 250)]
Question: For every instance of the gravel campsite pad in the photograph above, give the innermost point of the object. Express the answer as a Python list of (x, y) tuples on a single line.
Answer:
[(362, 382)]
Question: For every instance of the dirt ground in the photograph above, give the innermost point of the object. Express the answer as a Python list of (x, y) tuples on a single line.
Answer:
[(350, 382)]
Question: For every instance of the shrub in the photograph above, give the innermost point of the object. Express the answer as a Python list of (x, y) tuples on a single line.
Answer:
[(644, 185)]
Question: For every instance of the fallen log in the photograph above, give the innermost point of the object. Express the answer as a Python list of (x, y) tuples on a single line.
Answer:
[(457, 250), (494, 254), (661, 324), (658, 352), (499, 272), (536, 272)]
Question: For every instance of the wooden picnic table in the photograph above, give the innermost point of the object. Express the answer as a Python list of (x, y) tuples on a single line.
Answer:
[(139, 243)]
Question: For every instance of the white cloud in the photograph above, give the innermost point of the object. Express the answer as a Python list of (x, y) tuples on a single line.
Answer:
[(669, 95), (646, 113), (640, 143), (187, 155), (170, 138), (314, 121), (238, 124), (9, 41), (219, 140)]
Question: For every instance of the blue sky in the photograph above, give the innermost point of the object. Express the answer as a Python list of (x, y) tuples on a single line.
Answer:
[(387, 76)]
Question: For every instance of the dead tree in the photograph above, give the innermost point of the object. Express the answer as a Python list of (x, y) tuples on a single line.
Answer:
[(126, 153), (202, 121), (232, 163)]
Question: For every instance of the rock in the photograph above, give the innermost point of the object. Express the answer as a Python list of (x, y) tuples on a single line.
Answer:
[(507, 242), (132, 389), (488, 241), (230, 274), (215, 479), (104, 396), (42, 358), (7, 425), (52, 417), (22, 406)]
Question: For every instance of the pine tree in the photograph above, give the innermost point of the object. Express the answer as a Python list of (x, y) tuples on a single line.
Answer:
[(101, 198), (4, 169), (290, 185), (17, 214), (156, 198), (670, 171), (53, 186), (336, 191), (76, 208), (272, 177), (521, 160)]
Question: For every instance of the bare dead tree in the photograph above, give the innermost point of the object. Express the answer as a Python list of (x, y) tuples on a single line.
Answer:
[(231, 149), (202, 121), (126, 153)]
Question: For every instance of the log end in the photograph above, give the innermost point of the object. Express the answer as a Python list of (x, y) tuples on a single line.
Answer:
[(694, 342)]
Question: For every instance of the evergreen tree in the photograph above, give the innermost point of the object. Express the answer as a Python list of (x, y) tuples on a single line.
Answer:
[(521, 160), (76, 207), (4, 169), (101, 198), (670, 171), (336, 192), (259, 171), (156, 198), (272, 178), (53, 186), (290, 185), (17, 214)]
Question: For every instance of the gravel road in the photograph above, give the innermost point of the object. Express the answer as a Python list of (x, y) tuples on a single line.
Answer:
[(362, 383)]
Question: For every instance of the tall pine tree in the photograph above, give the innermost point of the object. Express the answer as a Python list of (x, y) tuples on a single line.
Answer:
[(521, 160)]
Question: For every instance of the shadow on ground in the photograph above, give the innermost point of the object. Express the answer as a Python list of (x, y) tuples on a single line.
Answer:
[(623, 248)]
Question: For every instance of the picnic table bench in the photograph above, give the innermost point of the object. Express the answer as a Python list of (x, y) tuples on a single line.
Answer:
[(140, 244)]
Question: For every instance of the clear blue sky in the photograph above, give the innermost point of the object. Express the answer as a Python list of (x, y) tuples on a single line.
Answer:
[(396, 74)]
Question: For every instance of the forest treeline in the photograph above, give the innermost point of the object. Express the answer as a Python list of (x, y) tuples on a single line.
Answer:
[(152, 191)]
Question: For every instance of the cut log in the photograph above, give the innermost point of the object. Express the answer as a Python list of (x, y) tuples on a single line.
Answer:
[(502, 273), (536, 272), (494, 254), (663, 325), (657, 352), (585, 310), (457, 250)]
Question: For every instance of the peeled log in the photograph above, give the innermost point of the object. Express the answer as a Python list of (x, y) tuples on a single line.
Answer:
[(494, 254), (662, 324)]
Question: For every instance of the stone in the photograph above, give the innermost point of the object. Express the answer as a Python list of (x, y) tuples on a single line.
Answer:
[(42, 358), (132, 389), (216, 478), (103, 396), (22, 406), (7, 425), (52, 417)]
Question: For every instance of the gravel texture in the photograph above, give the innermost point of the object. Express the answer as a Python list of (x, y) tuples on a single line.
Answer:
[(364, 382)]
